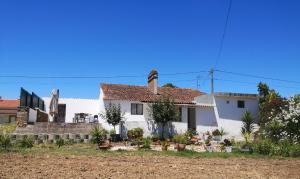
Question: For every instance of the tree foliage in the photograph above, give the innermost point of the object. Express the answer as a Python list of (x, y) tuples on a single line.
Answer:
[(163, 111), (289, 120), (113, 114), (270, 104), (169, 85)]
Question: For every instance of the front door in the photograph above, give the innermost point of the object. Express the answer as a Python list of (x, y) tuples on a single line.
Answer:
[(192, 118), (61, 113)]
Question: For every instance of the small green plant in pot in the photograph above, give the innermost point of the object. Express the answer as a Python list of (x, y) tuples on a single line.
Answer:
[(216, 135), (180, 142), (99, 136), (228, 146)]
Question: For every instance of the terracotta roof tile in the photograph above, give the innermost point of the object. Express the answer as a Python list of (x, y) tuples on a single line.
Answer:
[(143, 94), (9, 103), (9, 106)]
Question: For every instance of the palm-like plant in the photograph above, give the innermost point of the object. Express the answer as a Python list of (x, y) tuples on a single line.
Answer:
[(98, 135), (248, 123)]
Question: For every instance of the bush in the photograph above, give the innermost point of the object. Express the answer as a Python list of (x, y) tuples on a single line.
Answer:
[(264, 147), (295, 151), (26, 142), (5, 141), (147, 143), (283, 148), (191, 133), (98, 135), (180, 139), (136, 133), (60, 142)]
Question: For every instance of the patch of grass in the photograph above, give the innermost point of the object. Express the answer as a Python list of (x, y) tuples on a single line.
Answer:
[(90, 150), (7, 128)]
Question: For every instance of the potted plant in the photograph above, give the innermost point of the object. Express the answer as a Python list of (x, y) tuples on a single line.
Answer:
[(113, 115), (222, 133), (206, 135), (208, 146), (228, 146), (216, 135), (99, 137), (165, 145), (113, 136), (180, 142)]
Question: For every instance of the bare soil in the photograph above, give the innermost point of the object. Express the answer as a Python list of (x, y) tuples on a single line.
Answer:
[(44, 166)]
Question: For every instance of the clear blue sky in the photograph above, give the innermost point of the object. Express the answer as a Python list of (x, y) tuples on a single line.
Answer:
[(111, 38)]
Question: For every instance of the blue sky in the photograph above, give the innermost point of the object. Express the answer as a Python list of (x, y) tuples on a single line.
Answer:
[(112, 38)]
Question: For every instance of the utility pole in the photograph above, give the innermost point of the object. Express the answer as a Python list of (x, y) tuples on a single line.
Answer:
[(212, 80)]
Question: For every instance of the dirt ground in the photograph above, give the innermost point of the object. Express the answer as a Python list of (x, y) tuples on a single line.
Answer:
[(23, 166)]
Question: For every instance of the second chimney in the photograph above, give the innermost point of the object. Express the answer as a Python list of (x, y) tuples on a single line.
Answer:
[(152, 81)]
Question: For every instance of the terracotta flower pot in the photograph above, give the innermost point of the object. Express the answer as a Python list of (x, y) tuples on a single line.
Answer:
[(180, 147)]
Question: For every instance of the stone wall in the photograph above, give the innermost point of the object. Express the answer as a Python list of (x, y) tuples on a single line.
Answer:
[(57, 128)]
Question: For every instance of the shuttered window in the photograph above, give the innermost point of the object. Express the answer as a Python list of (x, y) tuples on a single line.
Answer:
[(136, 109)]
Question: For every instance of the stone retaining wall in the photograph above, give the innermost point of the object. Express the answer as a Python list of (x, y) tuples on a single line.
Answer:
[(56, 128)]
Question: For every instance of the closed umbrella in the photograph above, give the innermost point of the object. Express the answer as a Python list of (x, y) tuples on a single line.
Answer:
[(54, 104)]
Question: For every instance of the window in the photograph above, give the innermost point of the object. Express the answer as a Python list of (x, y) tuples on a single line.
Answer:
[(241, 104), (179, 114), (227, 102), (136, 109)]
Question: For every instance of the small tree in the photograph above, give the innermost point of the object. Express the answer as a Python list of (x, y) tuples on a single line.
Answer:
[(113, 114), (162, 112), (248, 123), (169, 85)]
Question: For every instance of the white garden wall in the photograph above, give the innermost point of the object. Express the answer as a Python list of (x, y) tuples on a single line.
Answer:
[(90, 106)]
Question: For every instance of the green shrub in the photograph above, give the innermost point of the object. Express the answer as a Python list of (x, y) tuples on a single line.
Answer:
[(295, 151), (147, 143), (180, 139), (264, 147), (60, 142), (283, 148), (5, 141), (26, 142), (98, 135), (136, 133), (191, 133)]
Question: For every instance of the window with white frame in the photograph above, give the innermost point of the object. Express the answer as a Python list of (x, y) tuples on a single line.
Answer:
[(136, 109)]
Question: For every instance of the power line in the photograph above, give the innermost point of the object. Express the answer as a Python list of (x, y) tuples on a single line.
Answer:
[(223, 35), (257, 76), (251, 83), (96, 77)]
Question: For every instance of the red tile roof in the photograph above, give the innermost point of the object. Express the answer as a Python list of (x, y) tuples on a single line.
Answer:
[(9, 106), (143, 94)]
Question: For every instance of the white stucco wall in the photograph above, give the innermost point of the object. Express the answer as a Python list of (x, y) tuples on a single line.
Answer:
[(90, 106), (229, 115)]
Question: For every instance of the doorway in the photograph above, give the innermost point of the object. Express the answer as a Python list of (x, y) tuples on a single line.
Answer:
[(192, 118), (61, 113)]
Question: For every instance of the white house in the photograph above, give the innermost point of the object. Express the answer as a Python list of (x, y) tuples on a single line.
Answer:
[(199, 111)]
